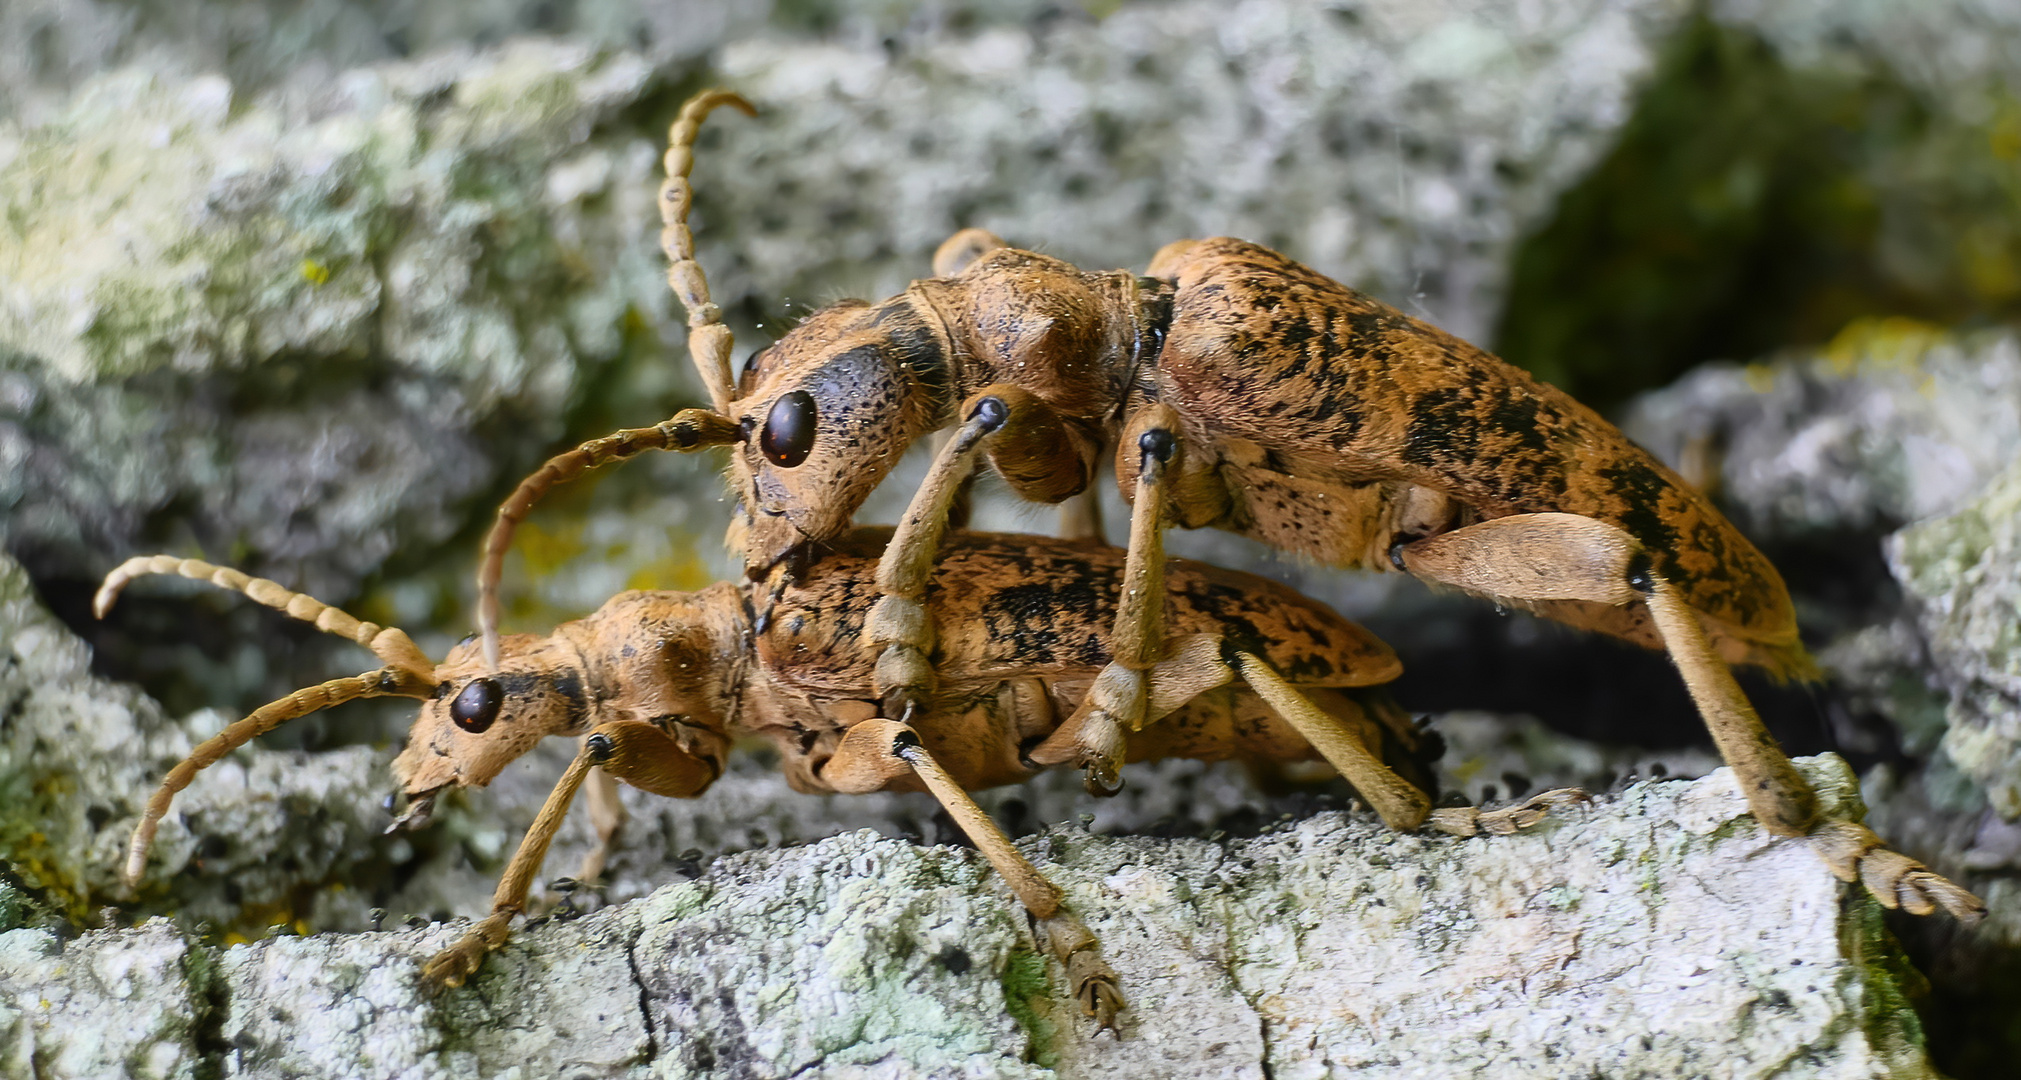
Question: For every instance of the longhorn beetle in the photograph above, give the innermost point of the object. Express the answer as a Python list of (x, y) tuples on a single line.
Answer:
[(659, 683), (1240, 390)]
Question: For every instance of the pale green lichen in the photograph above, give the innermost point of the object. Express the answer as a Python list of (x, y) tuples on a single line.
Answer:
[(1965, 568)]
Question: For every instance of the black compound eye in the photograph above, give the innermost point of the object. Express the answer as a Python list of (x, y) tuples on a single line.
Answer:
[(477, 706), (789, 430)]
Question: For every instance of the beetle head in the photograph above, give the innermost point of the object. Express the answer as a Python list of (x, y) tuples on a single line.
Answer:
[(479, 720), (827, 411)]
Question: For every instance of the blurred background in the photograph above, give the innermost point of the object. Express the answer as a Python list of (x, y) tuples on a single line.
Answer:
[(307, 287)]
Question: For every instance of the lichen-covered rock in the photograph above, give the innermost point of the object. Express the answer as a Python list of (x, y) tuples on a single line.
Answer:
[(1658, 932), (125, 1004), (1965, 570), (79, 757), (293, 321), (1891, 423)]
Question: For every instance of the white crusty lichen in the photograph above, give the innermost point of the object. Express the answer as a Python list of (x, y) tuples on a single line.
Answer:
[(1658, 931)]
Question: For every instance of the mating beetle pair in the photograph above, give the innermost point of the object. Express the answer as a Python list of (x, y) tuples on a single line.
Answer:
[(1239, 390)]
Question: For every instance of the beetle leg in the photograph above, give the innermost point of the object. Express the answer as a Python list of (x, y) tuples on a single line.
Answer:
[(607, 816), (1473, 821), (1402, 806), (1081, 516), (459, 961), (1118, 700), (886, 749), (1533, 557), (960, 251), (1039, 452), (630, 750)]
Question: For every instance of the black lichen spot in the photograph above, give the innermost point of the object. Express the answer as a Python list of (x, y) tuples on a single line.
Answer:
[(955, 959)]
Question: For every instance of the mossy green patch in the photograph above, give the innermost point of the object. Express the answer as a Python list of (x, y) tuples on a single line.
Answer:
[(1751, 205), (1892, 985), (1026, 996)]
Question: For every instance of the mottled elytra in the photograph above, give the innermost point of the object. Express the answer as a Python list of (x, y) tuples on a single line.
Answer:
[(1300, 413)]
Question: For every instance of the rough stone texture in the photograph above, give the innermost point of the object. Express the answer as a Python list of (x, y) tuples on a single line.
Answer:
[(105, 1004), (292, 320), (1965, 570), (1328, 947), (79, 756), (1891, 423)]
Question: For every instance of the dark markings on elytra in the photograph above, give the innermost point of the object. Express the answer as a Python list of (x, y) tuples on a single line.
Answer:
[(1641, 491), (1048, 620)]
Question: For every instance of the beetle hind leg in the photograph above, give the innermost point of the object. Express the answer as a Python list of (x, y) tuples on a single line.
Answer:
[(1537, 557), (1854, 853)]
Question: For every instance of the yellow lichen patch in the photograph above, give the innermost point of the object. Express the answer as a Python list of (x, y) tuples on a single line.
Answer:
[(1760, 377), (545, 550), (2003, 139), (315, 273), (1893, 341), (1989, 265), (680, 570)]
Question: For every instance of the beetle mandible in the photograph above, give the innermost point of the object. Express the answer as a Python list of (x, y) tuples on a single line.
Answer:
[(1239, 390), (658, 684)]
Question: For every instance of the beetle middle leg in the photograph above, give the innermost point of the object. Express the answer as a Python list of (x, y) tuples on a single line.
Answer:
[(877, 751), (1043, 455), (630, 750), (1164, 486), (1546, 557), (607, 816)]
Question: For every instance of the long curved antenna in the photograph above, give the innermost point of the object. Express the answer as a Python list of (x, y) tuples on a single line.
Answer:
[(408, 673), (389, 681), (708, 338), (709, 344), (388, 643), (690, 429)]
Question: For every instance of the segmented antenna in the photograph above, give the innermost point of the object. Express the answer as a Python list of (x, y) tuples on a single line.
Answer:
[(691, 429), (388, 681), (709, 344), (408, 673), (388, 643), (708, 338)]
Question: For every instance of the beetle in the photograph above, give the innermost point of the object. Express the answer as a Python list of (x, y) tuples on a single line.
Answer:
[(1235, 389), (658, 684)]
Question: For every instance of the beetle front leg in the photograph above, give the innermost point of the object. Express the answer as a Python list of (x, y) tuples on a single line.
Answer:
[(876, 751), (459, 961), (1539, 557), (1043, 456), (630, 750)]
